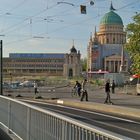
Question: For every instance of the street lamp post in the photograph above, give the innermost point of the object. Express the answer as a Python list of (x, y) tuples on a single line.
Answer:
[(1, 69)]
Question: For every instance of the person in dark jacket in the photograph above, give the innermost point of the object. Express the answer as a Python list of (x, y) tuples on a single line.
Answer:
[(78, 88), (107, 90), (35, 87)]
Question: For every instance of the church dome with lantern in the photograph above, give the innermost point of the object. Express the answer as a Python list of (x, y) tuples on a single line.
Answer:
[(111, 28)]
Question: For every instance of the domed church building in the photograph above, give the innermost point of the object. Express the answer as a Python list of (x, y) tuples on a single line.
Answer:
[(105, 48)]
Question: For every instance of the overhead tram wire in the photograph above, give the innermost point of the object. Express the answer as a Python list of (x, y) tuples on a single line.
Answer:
[(66, 3), (100, 15), (14, 8), (44, 10), (28, 18), (12, 42), (68, 26), (129, 4), (40, 37), (30, 23), (73, 24), (42, 34), (68, 10), (12, 26), (16, 28), (40, 12), (17, 6)]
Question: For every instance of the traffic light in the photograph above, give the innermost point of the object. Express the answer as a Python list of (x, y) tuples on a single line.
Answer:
[(83, 9)]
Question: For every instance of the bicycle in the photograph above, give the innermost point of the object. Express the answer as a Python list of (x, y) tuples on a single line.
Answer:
[(74, 92)]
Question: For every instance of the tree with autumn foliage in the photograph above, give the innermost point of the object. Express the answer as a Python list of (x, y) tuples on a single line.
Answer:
[(133, 43)]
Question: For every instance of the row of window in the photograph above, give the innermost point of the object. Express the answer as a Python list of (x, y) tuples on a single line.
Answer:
[(32, 65), (111, 27), (112, 40), (37, 60), (33, 71)]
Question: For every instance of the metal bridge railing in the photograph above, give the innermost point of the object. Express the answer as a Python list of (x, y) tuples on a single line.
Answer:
[(33, 123)]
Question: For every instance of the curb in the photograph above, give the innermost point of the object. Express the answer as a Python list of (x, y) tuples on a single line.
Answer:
[(111, 109), (105, 108)]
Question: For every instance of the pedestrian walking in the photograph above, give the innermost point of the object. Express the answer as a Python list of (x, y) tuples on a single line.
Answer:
[(107, 90), (35, 87), (113, 86), (84, 90)]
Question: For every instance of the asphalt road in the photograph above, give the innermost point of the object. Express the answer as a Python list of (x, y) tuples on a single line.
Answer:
[(122, 126)]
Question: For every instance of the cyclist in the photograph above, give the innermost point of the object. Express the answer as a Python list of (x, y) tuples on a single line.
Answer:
[(78, 88)]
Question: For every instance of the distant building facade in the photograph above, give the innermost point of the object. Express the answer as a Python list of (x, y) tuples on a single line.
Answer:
[(42, 64), (105, 48), (72, 65)]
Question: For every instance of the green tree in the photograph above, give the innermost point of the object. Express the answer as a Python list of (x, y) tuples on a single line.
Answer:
[(133, 43), (84, 64)]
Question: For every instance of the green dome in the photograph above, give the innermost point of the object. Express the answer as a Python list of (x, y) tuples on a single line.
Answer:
[(111, 18)]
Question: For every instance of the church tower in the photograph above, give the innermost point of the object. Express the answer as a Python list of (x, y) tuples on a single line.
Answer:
[(92, 52), (72, 65)]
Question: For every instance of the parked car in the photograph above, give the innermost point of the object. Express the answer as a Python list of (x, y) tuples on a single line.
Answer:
[(6, 85), (134, 79), (14, 85), (27, 84)]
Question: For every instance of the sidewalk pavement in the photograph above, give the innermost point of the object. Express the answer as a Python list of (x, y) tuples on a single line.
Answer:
[(124, 104)]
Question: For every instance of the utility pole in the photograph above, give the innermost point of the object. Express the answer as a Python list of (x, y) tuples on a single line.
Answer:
[(1, 69)]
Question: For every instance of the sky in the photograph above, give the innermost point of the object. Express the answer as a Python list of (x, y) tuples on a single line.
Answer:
[(53, 26)]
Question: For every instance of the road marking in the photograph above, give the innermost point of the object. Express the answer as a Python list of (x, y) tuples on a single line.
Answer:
[(101, 114), (87, 111), (60, 101)]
